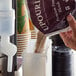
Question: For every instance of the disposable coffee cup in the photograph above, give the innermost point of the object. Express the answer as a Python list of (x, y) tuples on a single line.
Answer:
[(23, 30)]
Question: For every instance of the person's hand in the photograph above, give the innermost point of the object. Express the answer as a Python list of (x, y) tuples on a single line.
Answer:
[(69, 37)]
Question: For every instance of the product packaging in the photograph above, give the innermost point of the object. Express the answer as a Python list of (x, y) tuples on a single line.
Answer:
[(49, 16)]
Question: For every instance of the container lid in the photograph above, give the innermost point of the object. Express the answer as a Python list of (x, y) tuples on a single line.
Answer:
[(57, 41)]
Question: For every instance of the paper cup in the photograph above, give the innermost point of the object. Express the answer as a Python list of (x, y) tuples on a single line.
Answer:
[(33, 30), (22, 43)]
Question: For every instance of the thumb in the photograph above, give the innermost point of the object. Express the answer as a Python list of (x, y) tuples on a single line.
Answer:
[(72, 22)]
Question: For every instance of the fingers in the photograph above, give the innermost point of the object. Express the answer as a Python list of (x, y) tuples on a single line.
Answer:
[(72, 22), (69, 42), (66, 38), (69, 37)]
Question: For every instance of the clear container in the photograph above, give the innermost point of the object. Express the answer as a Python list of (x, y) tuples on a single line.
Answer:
[(34, 65), (38, 64), (7, 22)]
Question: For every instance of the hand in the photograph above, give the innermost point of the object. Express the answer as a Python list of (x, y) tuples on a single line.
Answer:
[(69, 37)]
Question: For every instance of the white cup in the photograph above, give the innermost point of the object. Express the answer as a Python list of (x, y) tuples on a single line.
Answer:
[(34, 64), (38, 64)]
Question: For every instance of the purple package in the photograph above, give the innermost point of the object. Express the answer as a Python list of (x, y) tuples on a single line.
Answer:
[(49, 16)]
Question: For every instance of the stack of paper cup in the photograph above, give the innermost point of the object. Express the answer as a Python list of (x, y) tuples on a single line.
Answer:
[(23, 31), (22, 43), (33, 30)]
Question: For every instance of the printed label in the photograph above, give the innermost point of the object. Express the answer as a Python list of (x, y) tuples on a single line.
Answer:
[(50, 15)]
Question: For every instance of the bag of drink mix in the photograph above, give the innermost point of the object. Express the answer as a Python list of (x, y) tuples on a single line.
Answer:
[(49, 16)]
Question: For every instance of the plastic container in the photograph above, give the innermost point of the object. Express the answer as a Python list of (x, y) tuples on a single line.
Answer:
[(7, 18), (63, 61), (37, 64), (7, 29), (63, 58), (7, 22)]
